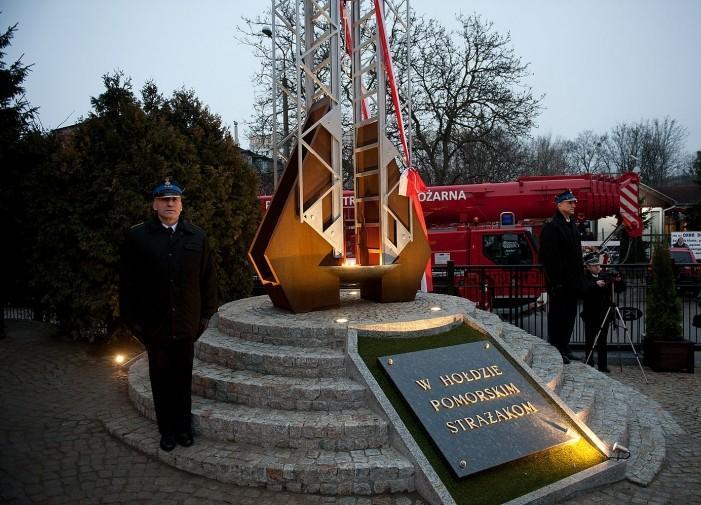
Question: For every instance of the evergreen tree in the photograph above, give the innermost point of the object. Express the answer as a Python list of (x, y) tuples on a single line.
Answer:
[(17, 142), (663, 313), (221, 194), (97, 184)]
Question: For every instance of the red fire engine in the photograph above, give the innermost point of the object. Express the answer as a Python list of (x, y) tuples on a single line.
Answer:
[(496, 225)]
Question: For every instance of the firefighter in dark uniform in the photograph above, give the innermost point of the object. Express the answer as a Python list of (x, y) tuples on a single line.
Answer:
[(168, 292), (596, 301), (561, 256)]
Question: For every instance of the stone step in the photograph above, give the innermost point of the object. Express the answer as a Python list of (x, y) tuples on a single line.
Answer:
[(217, 347), (245, 319), (276, 392), (649, 425), (577, 393), (547, 364), (520, 343), (597, 400), (648, 448), (609, 417), (369, 472), (343, 430)]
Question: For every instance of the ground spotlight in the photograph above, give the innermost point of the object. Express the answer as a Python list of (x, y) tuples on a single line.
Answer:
[(122, 362), (620, 451)]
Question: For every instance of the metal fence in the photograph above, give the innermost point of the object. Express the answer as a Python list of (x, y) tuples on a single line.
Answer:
[(27, 312), (517, 294)]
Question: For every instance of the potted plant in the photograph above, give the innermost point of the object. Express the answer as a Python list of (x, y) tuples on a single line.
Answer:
[(664, 347)]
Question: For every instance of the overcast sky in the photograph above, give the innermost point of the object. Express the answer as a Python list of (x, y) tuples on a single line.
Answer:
[(598, 62)]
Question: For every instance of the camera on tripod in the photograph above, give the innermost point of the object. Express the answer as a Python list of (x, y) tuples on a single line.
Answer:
[(610, 276)]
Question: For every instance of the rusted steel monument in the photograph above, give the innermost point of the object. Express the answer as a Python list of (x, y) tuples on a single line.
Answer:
[(298, 251)]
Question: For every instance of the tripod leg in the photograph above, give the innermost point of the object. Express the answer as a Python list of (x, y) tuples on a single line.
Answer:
[(598, 334), (630, 341)]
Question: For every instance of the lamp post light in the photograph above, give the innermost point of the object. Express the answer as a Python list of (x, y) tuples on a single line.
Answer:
[(266, 30), (633, 163)]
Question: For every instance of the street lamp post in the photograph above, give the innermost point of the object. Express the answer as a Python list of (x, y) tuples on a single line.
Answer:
[(633, 163), (266, 30)]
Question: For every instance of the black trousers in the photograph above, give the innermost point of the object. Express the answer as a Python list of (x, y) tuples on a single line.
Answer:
[(562, 313), (591, 328), (170, 370)]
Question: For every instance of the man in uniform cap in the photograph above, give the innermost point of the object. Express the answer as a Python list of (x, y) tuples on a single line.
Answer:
[(596, 301), (168, 292), (561, 256)]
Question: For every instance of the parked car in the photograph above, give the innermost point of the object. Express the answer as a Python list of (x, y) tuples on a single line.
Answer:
[(687, 270)]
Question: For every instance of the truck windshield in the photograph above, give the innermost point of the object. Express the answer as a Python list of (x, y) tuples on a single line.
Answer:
[(507, 248)]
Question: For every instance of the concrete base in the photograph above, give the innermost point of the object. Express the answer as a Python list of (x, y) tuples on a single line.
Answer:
[(288, 399)]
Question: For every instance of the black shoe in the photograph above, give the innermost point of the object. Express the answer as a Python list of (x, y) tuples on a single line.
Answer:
[(167, 442), (185, 439), (565, 359)]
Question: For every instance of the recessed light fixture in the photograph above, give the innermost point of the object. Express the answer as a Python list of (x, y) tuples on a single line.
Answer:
[(341, 320), (119, 359), (435, 309)]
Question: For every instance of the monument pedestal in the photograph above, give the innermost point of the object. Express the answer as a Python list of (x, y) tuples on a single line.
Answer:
[(283, 401), (275, 406)]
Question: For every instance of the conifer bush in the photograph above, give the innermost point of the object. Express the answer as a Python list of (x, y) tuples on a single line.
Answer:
[(97, 183), (663, 311)]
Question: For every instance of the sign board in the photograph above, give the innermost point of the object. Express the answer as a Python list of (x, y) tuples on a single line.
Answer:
[(441, 258), (690, 239), (478, 408)]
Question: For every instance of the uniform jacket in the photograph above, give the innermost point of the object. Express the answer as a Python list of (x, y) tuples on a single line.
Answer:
[(167, 284), (595, 300), (561, 256)]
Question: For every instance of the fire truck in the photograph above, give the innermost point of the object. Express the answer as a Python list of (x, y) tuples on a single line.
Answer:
[(485, 235)]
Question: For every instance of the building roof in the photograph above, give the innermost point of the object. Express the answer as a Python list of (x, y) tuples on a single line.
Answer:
[(686, 193), (652, 197)]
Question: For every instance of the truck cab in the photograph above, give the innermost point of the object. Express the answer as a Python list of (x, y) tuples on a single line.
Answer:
[(492, 266)]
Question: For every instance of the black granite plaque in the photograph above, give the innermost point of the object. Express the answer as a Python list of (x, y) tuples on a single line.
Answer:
[(478, 408)]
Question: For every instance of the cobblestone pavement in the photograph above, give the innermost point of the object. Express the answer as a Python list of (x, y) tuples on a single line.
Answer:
[(54, 448), (679, 480)]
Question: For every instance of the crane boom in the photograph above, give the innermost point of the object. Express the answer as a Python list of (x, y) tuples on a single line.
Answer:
[(532, 198)]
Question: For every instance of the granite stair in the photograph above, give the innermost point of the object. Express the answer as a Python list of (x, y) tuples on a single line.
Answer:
[(232, 352), (382, 473), (615, 412), (276, 391), (273, 405)]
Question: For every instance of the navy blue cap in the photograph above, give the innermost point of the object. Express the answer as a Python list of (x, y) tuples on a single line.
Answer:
[(591, 259), (167, 189), (565, 196)]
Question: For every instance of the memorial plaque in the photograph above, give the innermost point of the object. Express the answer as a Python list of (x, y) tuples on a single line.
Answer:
[(477, 407)]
